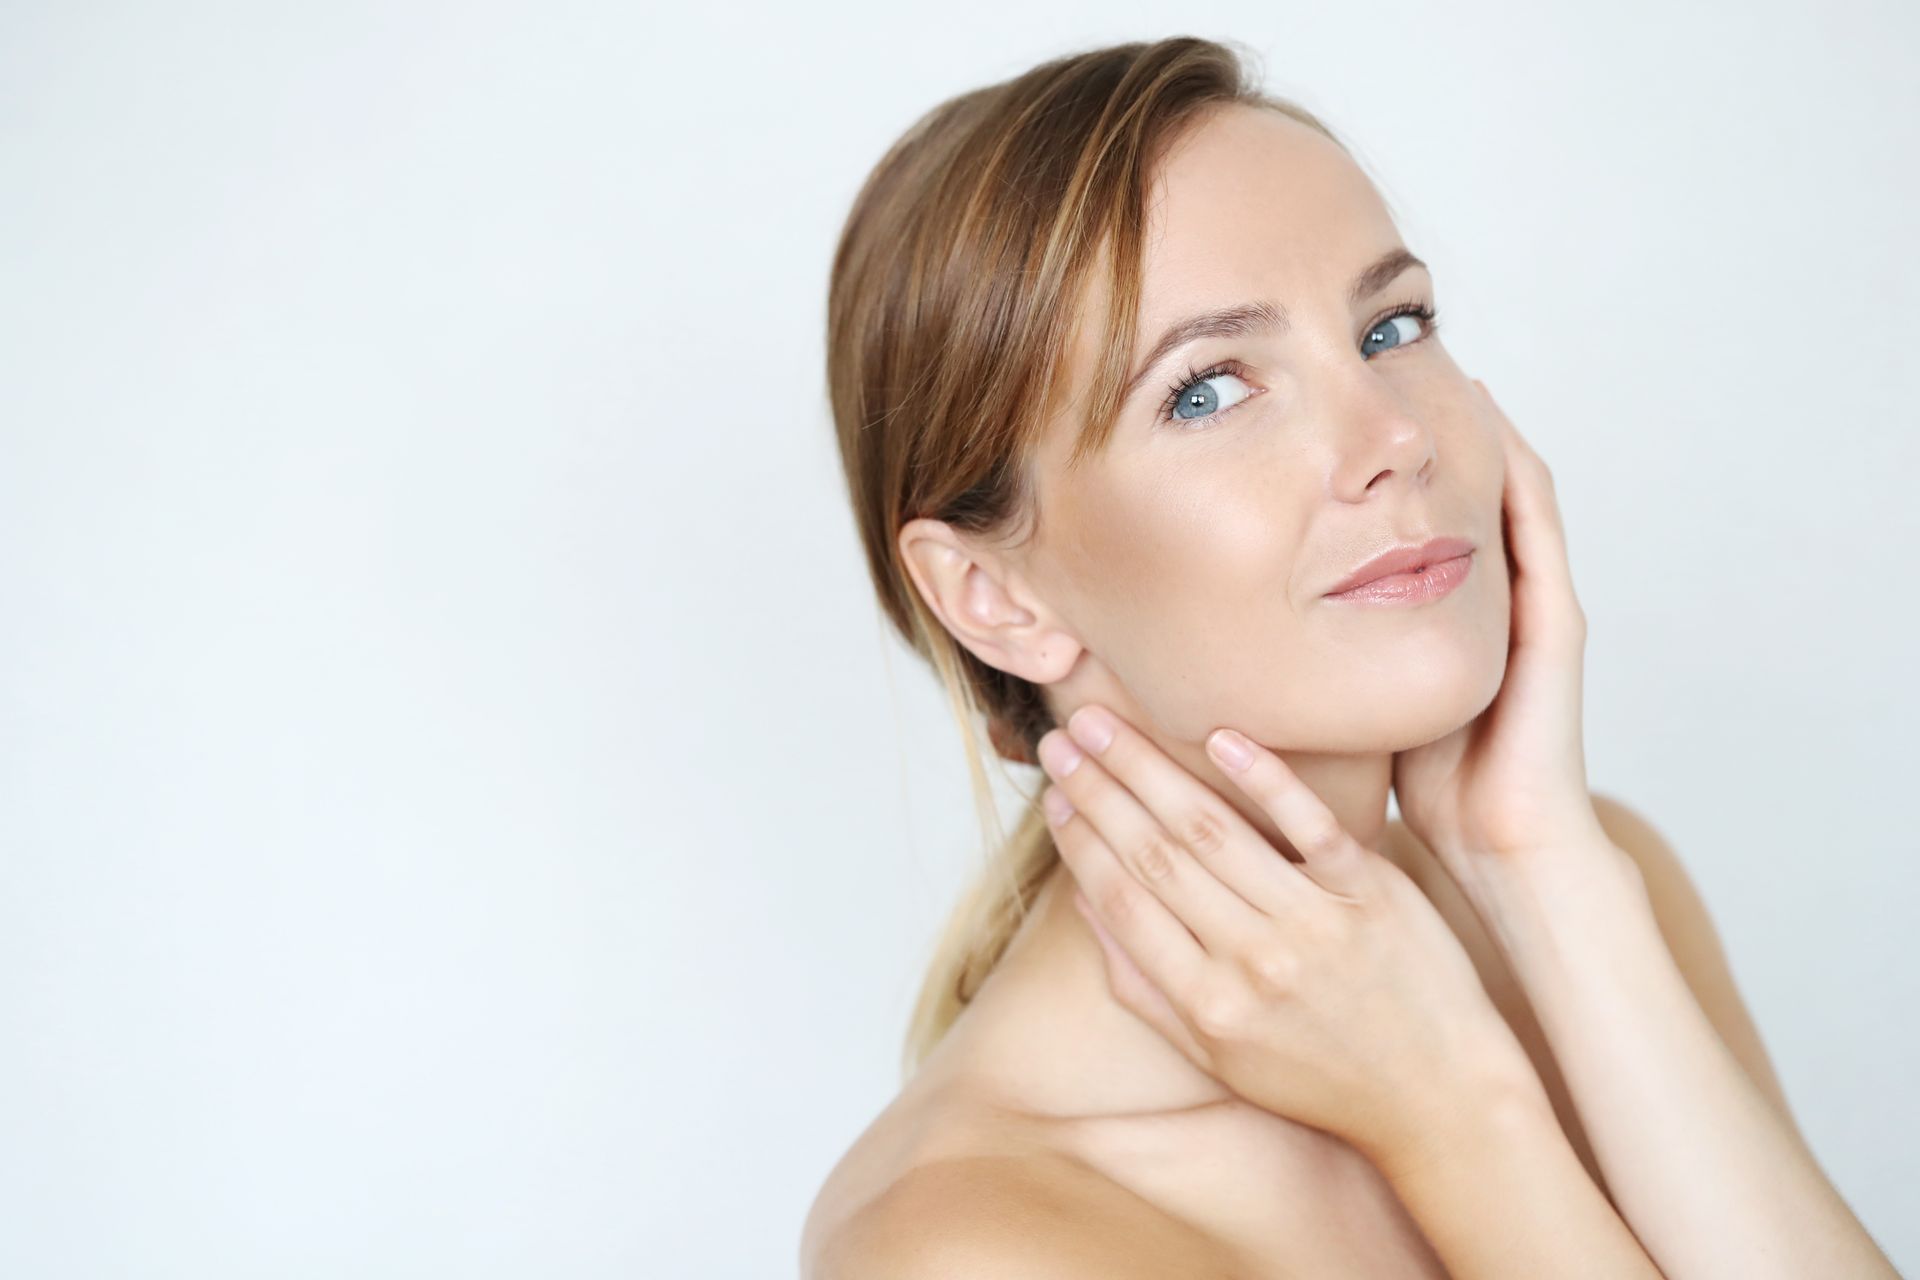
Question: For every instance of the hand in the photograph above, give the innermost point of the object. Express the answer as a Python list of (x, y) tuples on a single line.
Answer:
[(1332, 992), (1514, 779)]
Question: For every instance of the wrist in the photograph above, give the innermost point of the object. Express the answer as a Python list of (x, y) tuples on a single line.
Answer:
[(1563, 924), (1511, 888), (1490, 1087), (1504, 1110)]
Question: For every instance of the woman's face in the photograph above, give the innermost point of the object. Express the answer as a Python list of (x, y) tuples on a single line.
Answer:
[(1189, 561)]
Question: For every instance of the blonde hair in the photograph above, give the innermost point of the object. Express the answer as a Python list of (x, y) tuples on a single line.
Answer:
[(949, 312)]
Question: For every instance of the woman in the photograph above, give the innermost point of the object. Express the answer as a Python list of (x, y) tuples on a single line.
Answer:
[(1134, 381)]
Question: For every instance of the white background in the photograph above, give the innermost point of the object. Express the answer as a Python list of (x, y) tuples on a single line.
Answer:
[(459, 811)]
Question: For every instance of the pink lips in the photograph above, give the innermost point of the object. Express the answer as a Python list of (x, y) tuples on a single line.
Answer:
[(1408, 574)]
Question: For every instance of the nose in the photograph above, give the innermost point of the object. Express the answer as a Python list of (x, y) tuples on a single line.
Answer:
[(1382, 440)]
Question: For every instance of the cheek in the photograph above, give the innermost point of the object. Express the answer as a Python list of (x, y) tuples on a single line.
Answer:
[(1201, 545), (1197, 589)]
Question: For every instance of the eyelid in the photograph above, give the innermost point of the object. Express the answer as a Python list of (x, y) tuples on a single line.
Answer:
[(1229, 367), (1429, 313)]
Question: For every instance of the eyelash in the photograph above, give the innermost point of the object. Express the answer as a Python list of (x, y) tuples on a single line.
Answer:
[(1429, 320)]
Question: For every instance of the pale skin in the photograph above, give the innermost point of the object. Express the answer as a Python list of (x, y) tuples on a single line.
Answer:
[(1176, 587)]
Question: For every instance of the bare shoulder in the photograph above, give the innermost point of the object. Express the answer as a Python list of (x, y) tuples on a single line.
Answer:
[(1013, 1217), (1689, 932)]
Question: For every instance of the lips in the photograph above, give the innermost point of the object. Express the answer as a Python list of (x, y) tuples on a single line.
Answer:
[(1403, 559)]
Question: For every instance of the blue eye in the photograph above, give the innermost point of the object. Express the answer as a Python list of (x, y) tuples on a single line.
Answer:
[(1194, 403), (1196, 399), (1385, 328)]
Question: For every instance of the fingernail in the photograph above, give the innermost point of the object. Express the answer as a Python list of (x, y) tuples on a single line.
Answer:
[(1230, 749), (1058, 754), (1057, 806), (1092, 728)]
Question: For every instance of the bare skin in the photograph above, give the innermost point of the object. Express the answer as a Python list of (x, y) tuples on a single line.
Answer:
[(1047, 1078), (1179, 579)]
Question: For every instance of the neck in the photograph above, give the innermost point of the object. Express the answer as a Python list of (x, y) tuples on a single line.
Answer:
[(1044, 1034)]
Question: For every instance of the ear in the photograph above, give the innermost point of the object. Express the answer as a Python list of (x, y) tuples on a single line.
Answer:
[(984, 604)]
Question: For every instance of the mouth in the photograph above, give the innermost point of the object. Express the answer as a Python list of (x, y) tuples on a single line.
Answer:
[(1408, 572), (1416, 586)]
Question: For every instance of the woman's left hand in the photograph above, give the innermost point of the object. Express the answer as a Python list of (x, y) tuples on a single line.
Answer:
[(1512, 782)]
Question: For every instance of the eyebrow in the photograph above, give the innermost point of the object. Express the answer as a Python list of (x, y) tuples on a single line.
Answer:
[(1261, 316)]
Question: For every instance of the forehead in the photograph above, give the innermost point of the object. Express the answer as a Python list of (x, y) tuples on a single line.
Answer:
[(1254, 204)]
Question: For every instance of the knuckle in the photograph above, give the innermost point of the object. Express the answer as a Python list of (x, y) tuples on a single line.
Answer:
[(1219, 1011), (1203, 833), (1274, 970), (1115, 905), (1153, 859), (1322, 838)]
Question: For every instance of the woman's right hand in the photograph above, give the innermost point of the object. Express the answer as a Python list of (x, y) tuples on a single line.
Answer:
[(1331, 992)]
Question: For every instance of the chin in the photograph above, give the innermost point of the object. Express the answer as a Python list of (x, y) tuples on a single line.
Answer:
[(1393, 697)]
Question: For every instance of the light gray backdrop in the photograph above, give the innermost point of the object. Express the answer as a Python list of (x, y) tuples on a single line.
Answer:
[(459, 813)]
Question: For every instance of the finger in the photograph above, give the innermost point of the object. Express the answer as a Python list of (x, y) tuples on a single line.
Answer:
[(1331, 857), (1537, 540), (1134, 990), (1170, 957), (1217, 916), (1191, 812)]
